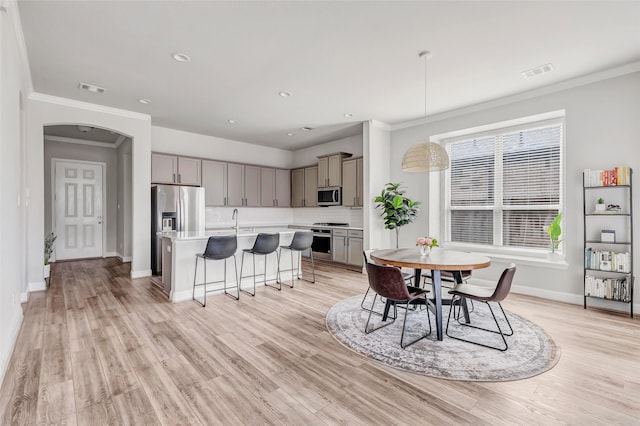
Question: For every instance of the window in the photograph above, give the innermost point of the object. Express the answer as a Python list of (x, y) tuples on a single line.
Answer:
[(504, 186)]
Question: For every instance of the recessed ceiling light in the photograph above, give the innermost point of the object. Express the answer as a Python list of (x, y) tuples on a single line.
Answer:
[(306, 128), (290, 134), (144, 101), (181, 57), (91, 88), (232, 121), (535, 72), (348, 115), (285, 94)]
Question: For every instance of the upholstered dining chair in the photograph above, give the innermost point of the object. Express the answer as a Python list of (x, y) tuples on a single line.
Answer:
[(407, 276), (485, 295), (387, 282)]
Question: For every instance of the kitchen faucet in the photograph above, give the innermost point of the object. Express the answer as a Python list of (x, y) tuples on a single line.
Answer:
[(235, 216)]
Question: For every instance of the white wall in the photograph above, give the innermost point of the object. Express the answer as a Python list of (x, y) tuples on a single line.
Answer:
[(13, 86), (377, 172), (195, 145), (602, 130), (49, 110), (74, 151), (123, 241), (309, 156)]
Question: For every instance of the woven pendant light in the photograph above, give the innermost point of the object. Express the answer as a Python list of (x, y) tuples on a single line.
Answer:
[(427, 156)]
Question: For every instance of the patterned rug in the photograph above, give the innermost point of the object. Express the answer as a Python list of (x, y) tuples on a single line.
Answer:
[(531, 350)]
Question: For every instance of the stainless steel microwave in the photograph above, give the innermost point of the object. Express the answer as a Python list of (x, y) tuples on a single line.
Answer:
[(330, 196)]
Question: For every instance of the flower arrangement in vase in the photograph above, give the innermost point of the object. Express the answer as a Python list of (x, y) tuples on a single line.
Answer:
[(425, 244)]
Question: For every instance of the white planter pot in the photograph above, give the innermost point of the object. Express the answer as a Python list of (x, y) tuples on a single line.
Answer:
[(47, 270), (601, 207)]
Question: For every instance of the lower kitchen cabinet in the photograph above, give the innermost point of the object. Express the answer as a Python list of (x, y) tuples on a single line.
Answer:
[(347, 247)]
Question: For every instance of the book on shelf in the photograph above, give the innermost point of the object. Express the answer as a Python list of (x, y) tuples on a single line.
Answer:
[(617, 176), (606, 260), (608, 288)]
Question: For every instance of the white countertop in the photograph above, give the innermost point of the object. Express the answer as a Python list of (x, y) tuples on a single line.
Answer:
[(194, 235)]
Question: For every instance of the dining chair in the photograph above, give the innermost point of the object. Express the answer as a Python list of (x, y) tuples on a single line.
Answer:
[(407, 276), (387, 282), (485, 295)]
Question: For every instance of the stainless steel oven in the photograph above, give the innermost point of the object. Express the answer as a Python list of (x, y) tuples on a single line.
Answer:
[(321, 245)]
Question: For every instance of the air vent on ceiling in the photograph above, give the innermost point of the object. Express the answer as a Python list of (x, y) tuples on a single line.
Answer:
[(535, 72), (92, 88)]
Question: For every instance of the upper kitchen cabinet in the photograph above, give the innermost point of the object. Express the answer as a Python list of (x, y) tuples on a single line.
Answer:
[(275, 188), (243, 185), (214, 181), (304, 187), (352, 187), (330, 170), (174, 169)]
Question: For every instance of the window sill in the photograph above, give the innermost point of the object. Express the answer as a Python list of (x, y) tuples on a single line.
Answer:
[(517, 258)]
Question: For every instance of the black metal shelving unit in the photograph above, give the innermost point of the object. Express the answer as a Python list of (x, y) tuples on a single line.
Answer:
[(628, 239)]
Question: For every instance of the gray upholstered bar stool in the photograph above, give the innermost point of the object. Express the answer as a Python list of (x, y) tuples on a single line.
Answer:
[(218, 248), (301, 241), (265, 245)]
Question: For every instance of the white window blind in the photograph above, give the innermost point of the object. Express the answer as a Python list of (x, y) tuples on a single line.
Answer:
[(504, 187)]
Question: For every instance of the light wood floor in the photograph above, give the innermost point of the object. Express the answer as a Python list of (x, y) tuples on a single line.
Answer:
[(99, 348)]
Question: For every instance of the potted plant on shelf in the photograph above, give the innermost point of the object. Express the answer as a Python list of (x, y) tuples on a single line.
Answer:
[(600, 206), (396, 209), (554, 230), (48, 251)]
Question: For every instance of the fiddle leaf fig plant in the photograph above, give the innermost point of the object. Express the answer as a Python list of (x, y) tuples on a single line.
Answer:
[(554, 230), (396, 209)]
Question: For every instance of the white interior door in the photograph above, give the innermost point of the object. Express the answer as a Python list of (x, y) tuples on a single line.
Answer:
[(78, 210)]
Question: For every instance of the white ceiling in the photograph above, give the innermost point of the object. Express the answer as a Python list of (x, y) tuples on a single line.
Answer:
[(335, 57)]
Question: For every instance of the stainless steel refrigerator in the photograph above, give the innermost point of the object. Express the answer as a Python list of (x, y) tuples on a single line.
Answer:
[(173, 207)]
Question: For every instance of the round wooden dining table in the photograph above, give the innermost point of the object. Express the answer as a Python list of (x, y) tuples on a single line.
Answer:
[(438, 260)]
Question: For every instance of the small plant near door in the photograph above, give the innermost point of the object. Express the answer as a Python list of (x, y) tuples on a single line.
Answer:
[(48, 251), (555, 230), (396, 209), (600, 206)]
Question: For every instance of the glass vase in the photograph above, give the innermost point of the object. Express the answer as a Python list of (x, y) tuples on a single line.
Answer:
[(425, 250)]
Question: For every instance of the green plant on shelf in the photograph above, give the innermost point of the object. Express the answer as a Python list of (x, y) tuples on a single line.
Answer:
[(555, 230)]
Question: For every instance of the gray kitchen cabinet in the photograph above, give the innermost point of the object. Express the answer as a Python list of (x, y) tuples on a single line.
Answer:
[(283, 188), (174, 169), (352, 183), (267, 187), (330, 170), (214, 181), (297, 188), (311, 187), (339, 246), (354, 248), (164, 168), (243, 185)]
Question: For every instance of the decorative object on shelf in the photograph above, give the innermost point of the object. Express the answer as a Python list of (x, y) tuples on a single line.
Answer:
[(555, 230), (608, 236), (396, 209), (608, 261), (425, 244), (427, 156), (48, 251)]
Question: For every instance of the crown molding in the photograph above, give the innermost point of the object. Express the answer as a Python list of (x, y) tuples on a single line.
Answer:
[(119, 141), (80, 141), (530, 94), (11, 7), (35, 96), (380, 125)]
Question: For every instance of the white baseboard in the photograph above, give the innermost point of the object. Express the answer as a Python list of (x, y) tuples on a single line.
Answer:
[(558, 296), (24, 297), (123, 259), (36, 286), (5, 355), (110, 254), (141, 273)]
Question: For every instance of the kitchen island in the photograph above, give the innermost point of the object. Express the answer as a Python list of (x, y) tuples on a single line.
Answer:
[(179, 251)]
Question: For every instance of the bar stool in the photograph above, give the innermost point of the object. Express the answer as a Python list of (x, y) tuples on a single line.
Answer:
[(301, 241), (218, 248), (265, 245)]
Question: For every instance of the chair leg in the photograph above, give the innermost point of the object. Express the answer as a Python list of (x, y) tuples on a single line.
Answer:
[(370, 309), (278, 281), (235, 268), (386, 323), (241, 276), (404, 323), (195, 273), (499, 331)]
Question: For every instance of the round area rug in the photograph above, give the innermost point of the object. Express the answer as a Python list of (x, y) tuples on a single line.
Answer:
[(531, 350)]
